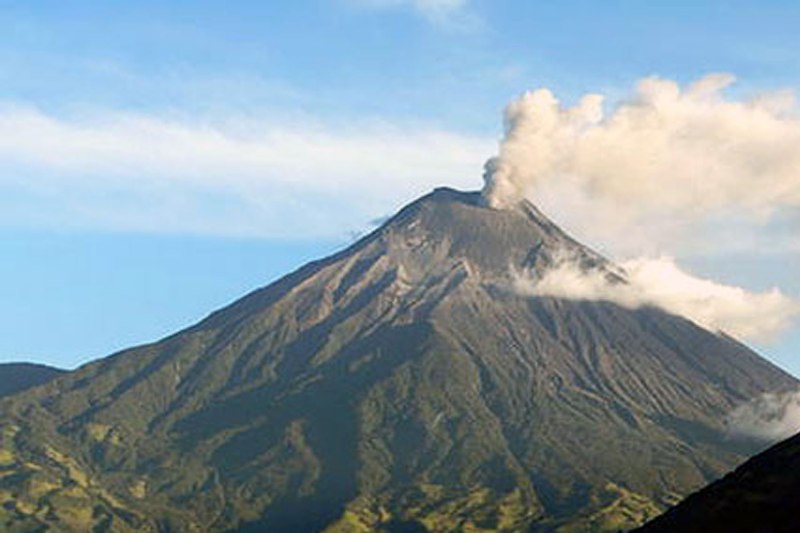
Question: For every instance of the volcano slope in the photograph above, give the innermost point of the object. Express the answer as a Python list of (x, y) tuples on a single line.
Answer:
[(400, 385)]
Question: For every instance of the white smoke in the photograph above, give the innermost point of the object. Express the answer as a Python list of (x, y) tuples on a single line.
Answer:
[(661, 283), (664, 159), (770, 417)]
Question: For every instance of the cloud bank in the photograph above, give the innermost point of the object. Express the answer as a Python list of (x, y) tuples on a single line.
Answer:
[(771, 417), (661, 283), (241, 176), (652, 168)]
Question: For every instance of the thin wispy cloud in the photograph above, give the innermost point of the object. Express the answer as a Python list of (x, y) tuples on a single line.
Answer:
[(451, 13), (107, 166)]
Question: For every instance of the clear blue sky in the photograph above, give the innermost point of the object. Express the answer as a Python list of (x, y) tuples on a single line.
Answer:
[(110, 238)]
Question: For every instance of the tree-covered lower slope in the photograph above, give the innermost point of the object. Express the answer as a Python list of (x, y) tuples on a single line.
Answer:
[(400, 385), (758, 497)]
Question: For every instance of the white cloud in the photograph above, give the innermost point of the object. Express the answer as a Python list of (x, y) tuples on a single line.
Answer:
[(657, 168), (661, 283), (149, 172), (770, 417)]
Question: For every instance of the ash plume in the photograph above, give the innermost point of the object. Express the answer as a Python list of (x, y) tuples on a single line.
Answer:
[(664, 160), (670, 168)]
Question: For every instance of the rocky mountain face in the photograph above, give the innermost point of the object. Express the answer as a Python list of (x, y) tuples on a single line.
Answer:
[(16, 377), (759, 497), (400, 385)]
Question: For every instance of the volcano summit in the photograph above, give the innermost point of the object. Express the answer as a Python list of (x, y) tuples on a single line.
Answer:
[(399, 385)]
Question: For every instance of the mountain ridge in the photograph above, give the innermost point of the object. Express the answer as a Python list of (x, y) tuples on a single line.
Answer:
[(18, 376)]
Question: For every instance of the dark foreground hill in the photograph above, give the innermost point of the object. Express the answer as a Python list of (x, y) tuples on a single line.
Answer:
[(761, 496), (16, 377), (400, 385)]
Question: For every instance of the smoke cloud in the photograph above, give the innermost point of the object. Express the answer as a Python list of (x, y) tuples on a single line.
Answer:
[(661, 283), (664, 159), (771, 417)]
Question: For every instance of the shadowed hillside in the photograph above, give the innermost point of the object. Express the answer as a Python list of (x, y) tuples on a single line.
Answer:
[(16, 377), (760, 496)]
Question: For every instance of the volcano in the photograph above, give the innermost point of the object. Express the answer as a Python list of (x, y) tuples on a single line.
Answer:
[(399, 385)]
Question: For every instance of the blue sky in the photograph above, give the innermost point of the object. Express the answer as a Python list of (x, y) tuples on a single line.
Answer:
[(159, 159)]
